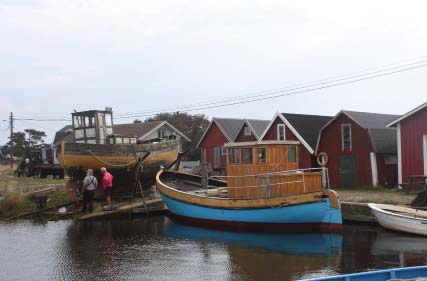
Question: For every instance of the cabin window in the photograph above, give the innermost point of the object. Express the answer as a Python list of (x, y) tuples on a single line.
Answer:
[(101, 120), (119, 140), (346, 136), (161, 133), (234, 157), (281, 132), (125, 140), (261, 155), (292, 154), (133, 140), (246, 155), (247, 131), (89, 121), (108, 120), (78, 122), (79, 134)]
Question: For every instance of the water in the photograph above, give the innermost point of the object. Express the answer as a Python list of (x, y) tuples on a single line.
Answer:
[(159, 249)]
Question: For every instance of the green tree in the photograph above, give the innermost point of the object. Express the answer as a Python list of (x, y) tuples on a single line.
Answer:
[(20, 145), (34, 136), (192, 126)]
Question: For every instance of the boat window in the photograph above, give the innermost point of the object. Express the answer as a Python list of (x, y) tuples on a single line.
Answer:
[(125, 140), (78, 122), (292, 154), (119, 140), (234, 155), (133, 140), (261, 155), (79, 134), (346, 136), (246, 155), (90, 133), (91, 141), (101, 120), (89, 121), (108, 120)]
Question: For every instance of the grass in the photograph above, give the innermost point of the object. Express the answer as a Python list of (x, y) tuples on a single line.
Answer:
[(17, 193), (377, 194)]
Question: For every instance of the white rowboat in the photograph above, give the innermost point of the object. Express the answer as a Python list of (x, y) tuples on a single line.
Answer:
[(400, 218)]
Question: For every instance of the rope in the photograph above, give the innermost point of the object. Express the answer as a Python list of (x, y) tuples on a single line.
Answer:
[(109, 164)]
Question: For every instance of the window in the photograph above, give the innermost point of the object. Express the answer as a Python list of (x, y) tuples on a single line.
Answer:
[(247, 131), (346, 137), (125, 140), (217, 157), (223, 150), (292, 154), (78, 122), (108, 120), (281, 132), (119, 140), (261, 155), (234, 156), (246, 155), (161, 133)]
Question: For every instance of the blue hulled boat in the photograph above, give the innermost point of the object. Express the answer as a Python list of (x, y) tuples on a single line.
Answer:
[(295, 200), (378, 275)]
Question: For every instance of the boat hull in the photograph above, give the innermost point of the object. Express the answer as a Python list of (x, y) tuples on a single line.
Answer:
[(308, 217), (399, 222)]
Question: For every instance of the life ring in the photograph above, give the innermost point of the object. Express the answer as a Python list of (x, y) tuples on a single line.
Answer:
[(322, 159)]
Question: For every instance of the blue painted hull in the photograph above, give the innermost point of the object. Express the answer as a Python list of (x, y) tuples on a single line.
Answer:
[(379, 275), (308, 216)]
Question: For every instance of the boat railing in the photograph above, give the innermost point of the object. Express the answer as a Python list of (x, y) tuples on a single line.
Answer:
[(274, 184)]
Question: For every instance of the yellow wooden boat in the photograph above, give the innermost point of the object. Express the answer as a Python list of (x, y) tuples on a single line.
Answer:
[(120, 160)]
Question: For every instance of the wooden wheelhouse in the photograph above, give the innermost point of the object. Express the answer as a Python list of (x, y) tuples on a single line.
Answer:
[(265, 169)]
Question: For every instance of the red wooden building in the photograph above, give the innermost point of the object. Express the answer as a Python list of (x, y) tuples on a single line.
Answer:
[(360, 149), (224, 130), (411, 143), (297, 127)]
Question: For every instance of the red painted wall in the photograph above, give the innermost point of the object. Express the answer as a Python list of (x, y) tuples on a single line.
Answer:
[(213, 138), (305, 158), (331, 143), (242, 138), (412, 130)]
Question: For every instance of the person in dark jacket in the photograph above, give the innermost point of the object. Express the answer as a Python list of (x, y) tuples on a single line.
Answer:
[(89, 185)]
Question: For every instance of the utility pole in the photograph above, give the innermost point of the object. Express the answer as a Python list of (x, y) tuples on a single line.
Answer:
[(11, 139)]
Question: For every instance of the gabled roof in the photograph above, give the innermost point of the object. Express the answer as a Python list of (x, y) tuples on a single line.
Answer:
[(228, 126), (135, 129), (65, 132), (383, 139), (140, 130), (305, 127), (308, 126), (257, 127), (394, 122)]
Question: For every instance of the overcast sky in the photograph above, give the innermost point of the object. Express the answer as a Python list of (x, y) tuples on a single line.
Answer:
[(57, 56)]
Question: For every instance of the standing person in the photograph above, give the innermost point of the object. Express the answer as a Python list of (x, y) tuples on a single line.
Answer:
[(107, 184), (89, 185)]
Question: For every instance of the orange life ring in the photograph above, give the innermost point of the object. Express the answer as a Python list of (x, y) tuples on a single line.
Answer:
[(322, 159)]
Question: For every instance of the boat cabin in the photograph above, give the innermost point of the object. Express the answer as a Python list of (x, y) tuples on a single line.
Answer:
[(264, 169), (93, 126)]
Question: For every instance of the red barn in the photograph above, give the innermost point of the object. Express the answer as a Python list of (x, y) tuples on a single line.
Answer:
[(224, 130), (361, 150), (411, 143), (297, 127)]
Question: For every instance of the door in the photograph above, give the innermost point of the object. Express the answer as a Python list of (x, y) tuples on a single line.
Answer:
[(348, 170), (217, 157)]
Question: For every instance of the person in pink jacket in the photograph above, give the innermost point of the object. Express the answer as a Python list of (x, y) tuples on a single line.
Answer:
[(107, 184)]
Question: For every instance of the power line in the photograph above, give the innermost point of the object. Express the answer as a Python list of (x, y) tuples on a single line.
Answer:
[(273, 91), (281, 94)]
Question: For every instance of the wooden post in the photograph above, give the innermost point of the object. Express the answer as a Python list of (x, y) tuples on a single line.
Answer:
[(205, 176), (11, 140)]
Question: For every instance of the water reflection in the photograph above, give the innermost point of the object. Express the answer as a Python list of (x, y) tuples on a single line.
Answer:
[(159, 249)]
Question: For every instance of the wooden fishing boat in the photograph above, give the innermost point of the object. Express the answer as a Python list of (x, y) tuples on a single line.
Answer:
[(379, 275), (400, 218), (120, 160), (295, 200)]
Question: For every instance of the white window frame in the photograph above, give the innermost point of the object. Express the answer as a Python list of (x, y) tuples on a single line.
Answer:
[(247, 131), (342, 136), (278, 131)]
